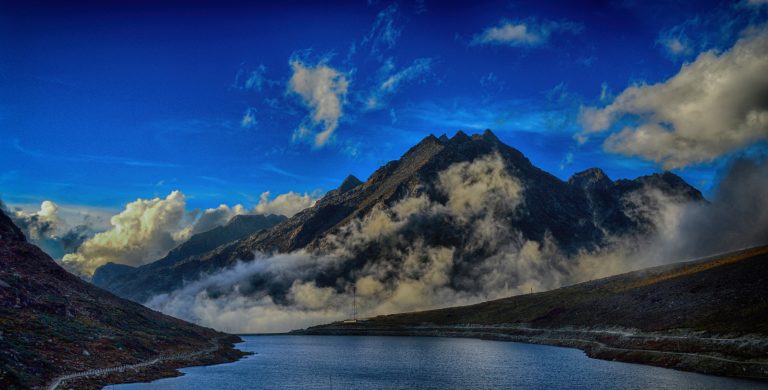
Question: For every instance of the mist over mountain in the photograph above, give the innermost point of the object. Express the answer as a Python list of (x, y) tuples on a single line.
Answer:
[(455, 220)]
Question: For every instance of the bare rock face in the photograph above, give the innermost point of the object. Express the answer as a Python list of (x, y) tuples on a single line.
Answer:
[(577, 214)]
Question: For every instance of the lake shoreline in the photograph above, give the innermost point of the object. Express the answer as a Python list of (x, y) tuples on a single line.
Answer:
[(225, 353), (705, 355)]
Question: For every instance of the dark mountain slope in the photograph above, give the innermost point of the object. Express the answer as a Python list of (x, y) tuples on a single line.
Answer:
[(576, 215), (52, 323)]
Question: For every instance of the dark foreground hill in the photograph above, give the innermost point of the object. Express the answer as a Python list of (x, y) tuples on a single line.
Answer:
[(708, 315), (578, 215), (52, 324)]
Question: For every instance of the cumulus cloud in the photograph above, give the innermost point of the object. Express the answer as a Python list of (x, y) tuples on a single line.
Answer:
[(713, 106), (148, 228), (323, 91), (523, 33), (286, 204), (141, 233)]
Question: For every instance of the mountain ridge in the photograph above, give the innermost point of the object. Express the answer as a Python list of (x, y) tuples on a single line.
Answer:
[(566, 211)]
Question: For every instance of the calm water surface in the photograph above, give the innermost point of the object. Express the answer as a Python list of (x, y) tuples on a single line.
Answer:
[(370, 362)]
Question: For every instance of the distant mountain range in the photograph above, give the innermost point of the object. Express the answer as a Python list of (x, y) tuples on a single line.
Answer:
[(580, 214), (240, 226), (53, 323)]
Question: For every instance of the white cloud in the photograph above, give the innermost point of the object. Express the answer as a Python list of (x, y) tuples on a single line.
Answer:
[(286, 204), (712, 106), (323, 90), (249, 118), (523, 34), (146, 229)]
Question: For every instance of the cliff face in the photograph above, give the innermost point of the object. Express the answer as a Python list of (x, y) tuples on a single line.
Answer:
[(577, 215), (52, 323)]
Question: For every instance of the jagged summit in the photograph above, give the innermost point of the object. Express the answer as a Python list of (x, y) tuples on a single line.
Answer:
[(443, 138), (350, 183), (590, 178)]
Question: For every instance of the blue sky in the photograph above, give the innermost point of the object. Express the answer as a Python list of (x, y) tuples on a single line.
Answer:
[(102, 104)]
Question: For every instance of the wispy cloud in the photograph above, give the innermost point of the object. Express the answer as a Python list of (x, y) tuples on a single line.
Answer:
[(87, 158), (384, 33), (391, 82)]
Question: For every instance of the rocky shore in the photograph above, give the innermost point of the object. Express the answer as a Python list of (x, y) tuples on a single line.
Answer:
[(744, 357)]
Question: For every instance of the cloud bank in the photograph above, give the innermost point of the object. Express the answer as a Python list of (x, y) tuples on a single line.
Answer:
[(714, 106), (148, 228)]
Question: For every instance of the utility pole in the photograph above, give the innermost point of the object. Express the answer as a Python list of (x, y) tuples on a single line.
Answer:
[(354, 303)]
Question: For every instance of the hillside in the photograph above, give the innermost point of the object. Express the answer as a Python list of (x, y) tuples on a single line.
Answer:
[(581, 214), (709, 315), (52, 323)]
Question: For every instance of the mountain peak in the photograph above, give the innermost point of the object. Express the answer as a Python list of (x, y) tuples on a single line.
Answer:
[(590, 178), (489, 136), (443, 138), (460, 136), (350, 183)]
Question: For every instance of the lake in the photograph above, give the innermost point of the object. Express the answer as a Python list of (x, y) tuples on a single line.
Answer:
[(372, 362)]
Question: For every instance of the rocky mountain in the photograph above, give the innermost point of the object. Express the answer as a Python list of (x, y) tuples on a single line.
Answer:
[(53, 323), (708, 315), (238, 227), (522, 200)]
